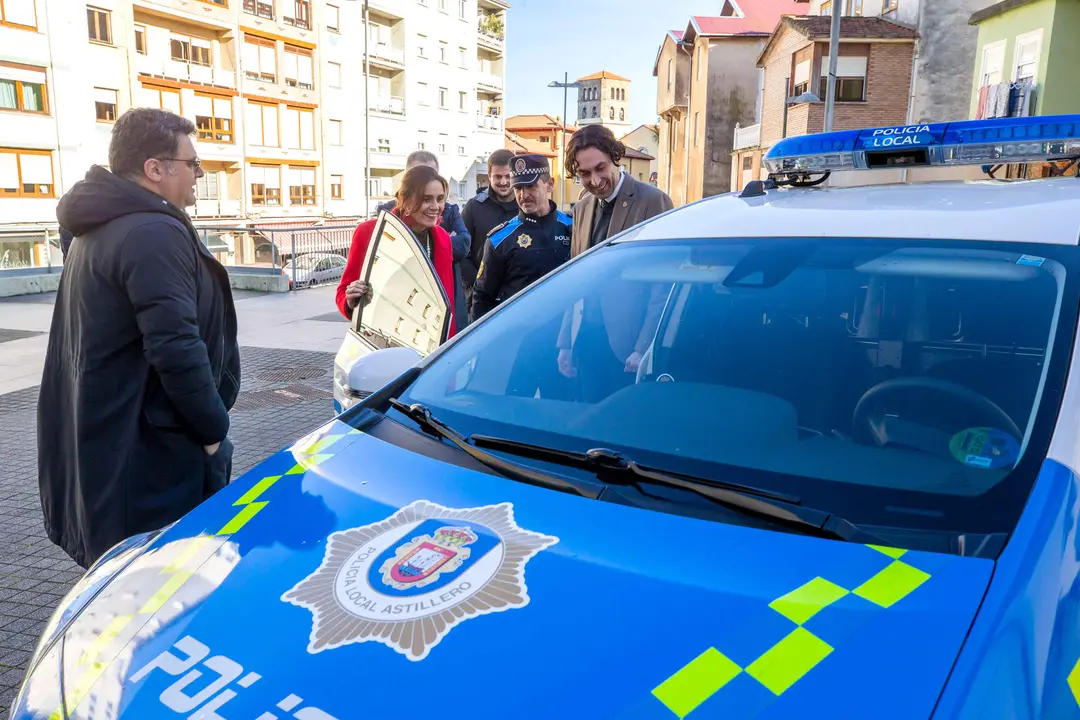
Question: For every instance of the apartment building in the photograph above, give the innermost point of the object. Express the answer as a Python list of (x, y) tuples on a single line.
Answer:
[(275, 88)]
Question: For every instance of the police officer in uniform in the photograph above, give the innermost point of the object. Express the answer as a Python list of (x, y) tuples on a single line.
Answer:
[(518, 253), (529, 246)]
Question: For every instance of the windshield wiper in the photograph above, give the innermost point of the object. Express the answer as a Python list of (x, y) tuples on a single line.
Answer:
[(422, 416), (617, 469)]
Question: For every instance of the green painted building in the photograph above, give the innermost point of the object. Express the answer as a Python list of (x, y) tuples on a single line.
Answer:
[(1035, 40)]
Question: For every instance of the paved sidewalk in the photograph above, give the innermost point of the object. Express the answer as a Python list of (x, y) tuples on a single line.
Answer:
[(287, 350)]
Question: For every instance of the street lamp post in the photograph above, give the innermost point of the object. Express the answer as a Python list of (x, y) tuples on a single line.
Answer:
[(565, 85), (806, 97)]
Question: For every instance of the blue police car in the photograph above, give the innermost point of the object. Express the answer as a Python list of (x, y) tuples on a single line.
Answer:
[(801, 452)]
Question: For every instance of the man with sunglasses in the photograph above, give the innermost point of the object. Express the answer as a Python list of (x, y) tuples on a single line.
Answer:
[(143, 364)]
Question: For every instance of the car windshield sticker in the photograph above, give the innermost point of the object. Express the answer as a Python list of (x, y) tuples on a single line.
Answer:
[(407, 581), (1031, 260), (987, 448)]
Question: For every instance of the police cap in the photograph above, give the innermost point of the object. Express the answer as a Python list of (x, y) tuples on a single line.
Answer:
[(527, 169)]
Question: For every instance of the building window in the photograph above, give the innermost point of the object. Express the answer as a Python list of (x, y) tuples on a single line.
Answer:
[(463, 58), (333, 18), (23, 89), (193, 50), (697, 124), (206, 187), (1026, 60), (337, 185), (262, 125), (259, 57), (442, 97), (855, 8), (333, 70), (826, 8), (213, 118), (265, 181), (162, 98), (299, 68), (301, 186), (462, 9), (334, 130), (423, 93), (611, 113), (301, 15), (889, 5), (26, 173), (461, 150), (99, 24), (259, 8), (105, 104), (850, 78), (20, 13), (442, 5), (442, 53), (595, 111), (993, 63), (622, 113), (670, 73), (463, 101), (382, 145), (442, 143), (299, 129), (140, 39)]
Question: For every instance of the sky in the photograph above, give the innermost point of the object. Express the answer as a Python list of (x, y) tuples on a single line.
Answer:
[(546, 38)]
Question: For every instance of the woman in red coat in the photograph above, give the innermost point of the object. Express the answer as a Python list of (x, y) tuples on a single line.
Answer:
[(420, 204)]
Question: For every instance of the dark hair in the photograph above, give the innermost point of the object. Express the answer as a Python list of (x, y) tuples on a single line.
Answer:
[(499, 158), (592, 136), (411, 193), (142, 134), (417, 157)]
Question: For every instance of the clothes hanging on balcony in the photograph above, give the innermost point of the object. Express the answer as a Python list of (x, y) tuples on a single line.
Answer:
[(1001, 100), (1021, 99), (980, 110)]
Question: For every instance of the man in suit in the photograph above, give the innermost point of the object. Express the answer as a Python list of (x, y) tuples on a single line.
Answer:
[(613, 332)]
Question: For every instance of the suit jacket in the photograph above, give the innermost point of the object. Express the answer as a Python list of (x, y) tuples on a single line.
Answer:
[(629, 314), (635, 203)]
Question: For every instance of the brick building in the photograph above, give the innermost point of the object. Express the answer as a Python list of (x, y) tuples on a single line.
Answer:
[(874, 71)]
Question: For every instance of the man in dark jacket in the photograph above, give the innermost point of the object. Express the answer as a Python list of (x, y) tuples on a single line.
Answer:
[(487, 211), (143, 364), (455, 227)]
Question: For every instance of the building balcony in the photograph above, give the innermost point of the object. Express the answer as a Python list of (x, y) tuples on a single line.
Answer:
[(387, 161), (386, 56), (391, 105), (219, 208), (487, 81), (491, 123), (490, 34), (210, 13), (185, 72), (745, 137), (389, 8)]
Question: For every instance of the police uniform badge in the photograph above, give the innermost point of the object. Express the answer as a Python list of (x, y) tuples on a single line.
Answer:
[(524, 241), (519, 166)]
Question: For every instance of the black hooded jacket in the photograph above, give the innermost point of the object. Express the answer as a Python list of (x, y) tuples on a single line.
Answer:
[(141, 370)]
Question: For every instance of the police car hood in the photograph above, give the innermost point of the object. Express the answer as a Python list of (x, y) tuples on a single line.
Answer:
[(349, 578)]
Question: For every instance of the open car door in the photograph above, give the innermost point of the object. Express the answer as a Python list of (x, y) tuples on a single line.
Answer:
[(407, 315)]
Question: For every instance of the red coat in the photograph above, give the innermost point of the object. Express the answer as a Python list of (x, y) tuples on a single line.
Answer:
[(443, 260)]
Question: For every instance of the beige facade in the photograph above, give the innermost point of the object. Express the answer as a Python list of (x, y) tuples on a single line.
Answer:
[(672, 73), (543, 135), (645, 139)]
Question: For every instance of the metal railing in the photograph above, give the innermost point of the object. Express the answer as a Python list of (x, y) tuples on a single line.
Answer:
[(308, 256)]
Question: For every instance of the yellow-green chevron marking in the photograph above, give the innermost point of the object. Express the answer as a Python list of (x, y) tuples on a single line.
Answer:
[(800, 651)]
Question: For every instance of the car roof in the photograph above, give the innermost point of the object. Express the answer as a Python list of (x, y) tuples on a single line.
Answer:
[(1038, 211)]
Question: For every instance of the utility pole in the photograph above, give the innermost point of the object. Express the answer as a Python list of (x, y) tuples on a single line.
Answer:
[(834, 50), (565, 85), (367, 113)]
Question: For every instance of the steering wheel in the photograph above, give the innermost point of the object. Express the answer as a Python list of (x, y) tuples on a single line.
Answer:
[(870, 421)]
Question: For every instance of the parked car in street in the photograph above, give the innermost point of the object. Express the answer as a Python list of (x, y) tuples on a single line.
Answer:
[(842, 482), (314, 269)]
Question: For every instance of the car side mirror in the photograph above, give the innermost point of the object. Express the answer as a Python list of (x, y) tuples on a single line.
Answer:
[(374, 371)]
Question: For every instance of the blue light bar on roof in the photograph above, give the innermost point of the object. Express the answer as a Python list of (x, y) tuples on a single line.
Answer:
[(969, 142)]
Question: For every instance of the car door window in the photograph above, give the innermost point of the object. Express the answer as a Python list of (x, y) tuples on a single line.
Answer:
[(408, 306)]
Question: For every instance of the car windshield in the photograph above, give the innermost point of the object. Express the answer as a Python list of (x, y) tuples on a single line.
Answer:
[(894, 383)]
